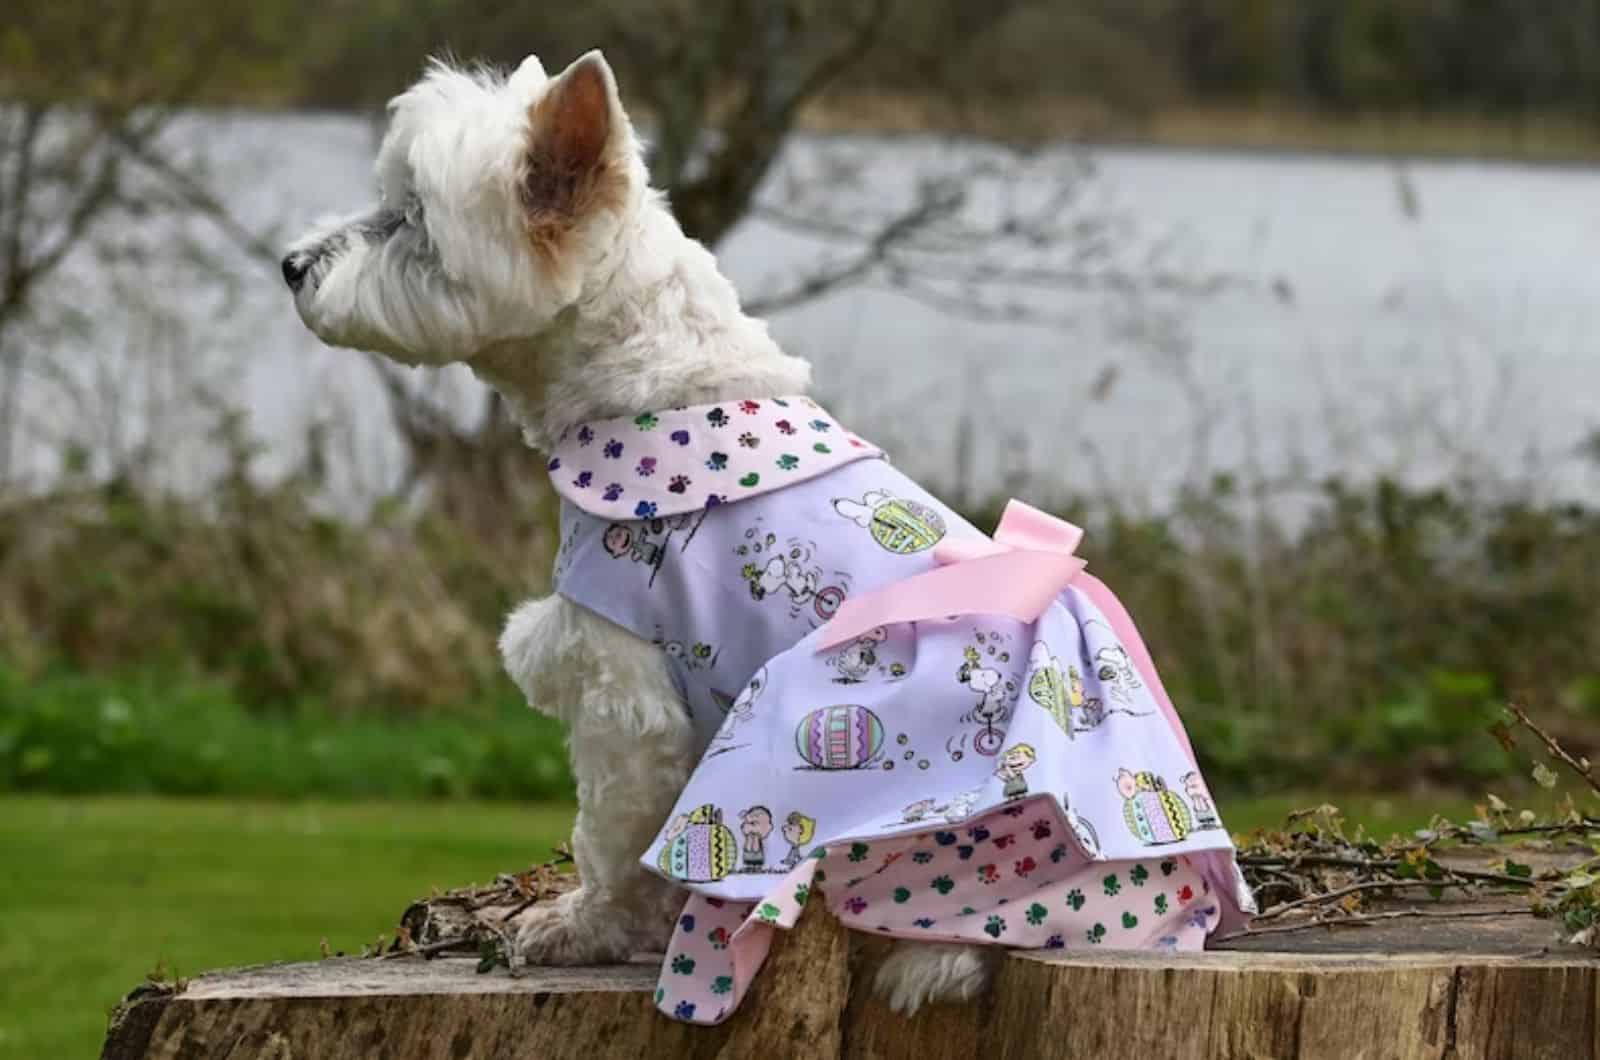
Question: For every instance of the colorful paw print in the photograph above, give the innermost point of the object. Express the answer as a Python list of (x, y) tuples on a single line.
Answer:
[(943, 884), (749, 408), (1096, 934), (718, 937), (1059, 852), (768, 912), (686, 922), (1112, 885), (713, 499), (1186, 894), (1036, 914), (902, 895), (554, 464), (1055, 942), (1012, 811), (820, 426), (922, 857), (683, 964), (1129, 921), (1040, 830), (717, 418), (855, 905), (680, 437), (612, 450), (717, 462), (944, 839), (585, 436), (1075, 899), (802, 894), (1168, 867), (1025, 866), (646, 422), (1161, 905), (748, 440), (988, 874), (994, 927), (1138, 874), (645, 510), (978, 834), (685, 1010), (583, 480), (679, 483), (722, 984), (1001, 842), (923, 922), (858, 851), (964, 851), (647, 467), (788, 462), (784, 427), (613, 491)]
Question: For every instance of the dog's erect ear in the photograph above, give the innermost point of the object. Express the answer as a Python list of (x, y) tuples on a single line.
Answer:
[(573, 165)]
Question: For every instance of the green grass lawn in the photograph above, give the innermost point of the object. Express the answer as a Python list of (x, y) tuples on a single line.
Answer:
[(98, 890)]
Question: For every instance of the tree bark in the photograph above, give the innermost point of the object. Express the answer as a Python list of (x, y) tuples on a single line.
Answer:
[(1496, 989)]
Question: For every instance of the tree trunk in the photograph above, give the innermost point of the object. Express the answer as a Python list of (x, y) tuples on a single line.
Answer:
[(1491, 988)]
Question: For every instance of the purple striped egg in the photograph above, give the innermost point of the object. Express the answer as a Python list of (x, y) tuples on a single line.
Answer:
[(841, 737)]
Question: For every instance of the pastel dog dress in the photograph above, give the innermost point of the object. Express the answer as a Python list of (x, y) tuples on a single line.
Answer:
[(950, 738)]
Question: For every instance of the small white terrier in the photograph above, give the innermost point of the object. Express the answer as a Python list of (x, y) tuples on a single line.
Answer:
[(516, 233)]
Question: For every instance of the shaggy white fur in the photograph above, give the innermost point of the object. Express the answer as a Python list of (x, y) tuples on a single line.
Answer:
[(516, 232)]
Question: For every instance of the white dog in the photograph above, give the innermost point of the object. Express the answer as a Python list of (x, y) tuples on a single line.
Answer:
[(516, 233)]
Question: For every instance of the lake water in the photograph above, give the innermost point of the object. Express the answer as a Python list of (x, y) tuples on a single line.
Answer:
[(1421, 318)]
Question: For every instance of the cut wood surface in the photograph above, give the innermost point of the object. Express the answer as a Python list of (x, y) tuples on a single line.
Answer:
[(1492, 988)]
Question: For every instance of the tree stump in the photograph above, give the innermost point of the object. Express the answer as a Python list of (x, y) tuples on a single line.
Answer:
[(1496, 988)]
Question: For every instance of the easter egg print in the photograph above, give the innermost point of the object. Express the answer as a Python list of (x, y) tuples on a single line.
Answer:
[(994, 927)]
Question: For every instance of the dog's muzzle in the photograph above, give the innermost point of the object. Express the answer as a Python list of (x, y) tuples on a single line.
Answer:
[(296, 267)]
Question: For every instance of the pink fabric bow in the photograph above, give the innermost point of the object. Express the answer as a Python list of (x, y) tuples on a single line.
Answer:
[(1018, 573)]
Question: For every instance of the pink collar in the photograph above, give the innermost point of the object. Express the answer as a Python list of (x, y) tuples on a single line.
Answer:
[(685, 459)]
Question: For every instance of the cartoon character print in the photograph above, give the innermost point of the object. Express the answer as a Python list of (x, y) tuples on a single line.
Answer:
[(790, 573), (1012, 765), (697, 847), (900, 526), (958, 809), (1205, 811), (997, 693), (737, 711), (1082, 827), (646, 541), (1048, 688), (798, 831), (755, 824), (1153, 814), (859, 658), (847, 736), (691, 655), (1116, 673)]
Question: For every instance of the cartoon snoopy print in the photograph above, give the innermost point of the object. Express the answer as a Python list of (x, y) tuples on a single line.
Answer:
[(858, 658)]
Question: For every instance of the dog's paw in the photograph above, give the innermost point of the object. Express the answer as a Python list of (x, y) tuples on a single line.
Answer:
[(559, 934), (920, 973)]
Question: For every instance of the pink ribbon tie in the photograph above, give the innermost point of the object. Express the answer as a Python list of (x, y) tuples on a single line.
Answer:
[(1018, 573)]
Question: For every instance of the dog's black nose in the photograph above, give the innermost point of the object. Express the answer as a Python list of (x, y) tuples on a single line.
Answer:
[(295, 267)]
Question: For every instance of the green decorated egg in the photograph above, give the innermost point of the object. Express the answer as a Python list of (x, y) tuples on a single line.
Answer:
[(904, 527)]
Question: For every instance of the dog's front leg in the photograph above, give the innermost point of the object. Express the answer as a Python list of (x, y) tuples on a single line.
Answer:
[(632, 750)]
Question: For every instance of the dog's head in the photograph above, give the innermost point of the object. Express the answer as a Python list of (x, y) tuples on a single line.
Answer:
[(501, 199)]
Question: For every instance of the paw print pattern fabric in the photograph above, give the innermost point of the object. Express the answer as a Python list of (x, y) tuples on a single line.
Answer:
[(661, 464), (741, 538), (1032, 893)]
